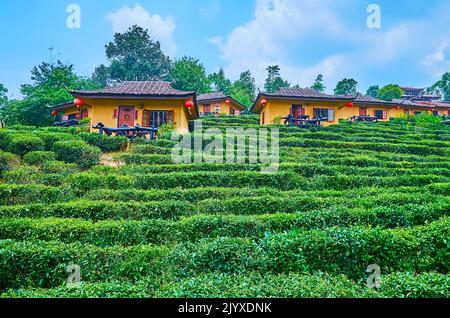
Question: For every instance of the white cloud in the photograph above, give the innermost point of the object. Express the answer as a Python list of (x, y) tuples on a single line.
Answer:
[(160, 29), (439, 60)]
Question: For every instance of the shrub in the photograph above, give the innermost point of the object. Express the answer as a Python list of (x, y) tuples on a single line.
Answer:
[(7, 161), (77, 152), (59, 167), (38, 158), (105, 143), (22, 144)]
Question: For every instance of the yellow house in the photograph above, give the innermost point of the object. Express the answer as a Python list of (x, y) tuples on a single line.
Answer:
[(218, 103), (131, 103), (312, 104)]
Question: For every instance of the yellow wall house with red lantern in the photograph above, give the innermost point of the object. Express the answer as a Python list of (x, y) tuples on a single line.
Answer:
[(272, 107), (218, 103), (131, 103)]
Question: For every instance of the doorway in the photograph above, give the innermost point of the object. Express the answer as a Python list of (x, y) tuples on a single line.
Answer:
[(126, 116)]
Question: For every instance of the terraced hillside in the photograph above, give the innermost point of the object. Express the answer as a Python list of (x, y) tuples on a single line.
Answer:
[(138, 225)]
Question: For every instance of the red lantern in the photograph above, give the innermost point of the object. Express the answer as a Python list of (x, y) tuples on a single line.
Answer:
[(397, 107), (228, 102), (264, 102), (189, 104), (54, 113), (78, 102), (349, 104)]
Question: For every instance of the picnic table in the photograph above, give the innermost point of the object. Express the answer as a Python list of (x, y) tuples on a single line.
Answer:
[(368, 119), (303, 121), (129, 132), (67, 123)]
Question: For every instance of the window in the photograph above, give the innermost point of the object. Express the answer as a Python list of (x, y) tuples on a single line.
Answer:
[(232, 111), (216, 108), (84, 113), (206, 109), (381, 114), (74, 116), (435, 113), (323, 113), (156, 118)]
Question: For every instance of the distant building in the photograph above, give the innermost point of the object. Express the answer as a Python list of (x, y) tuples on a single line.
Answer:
[(418, 94), (217, 103)]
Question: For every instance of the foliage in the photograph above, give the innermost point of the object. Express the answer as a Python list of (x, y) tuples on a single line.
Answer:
[(347, 86), (189, 74), (390, 92), (243, 90), (373, 91), (22, 144), (219, 82), (38, 158), (74, 151), (274, 81), (105, 143), (443, 86), (318, 84), (133, 56)]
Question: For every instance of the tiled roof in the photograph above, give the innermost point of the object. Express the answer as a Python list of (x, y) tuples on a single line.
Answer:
[(138, 88), (211, 96), (299, 92)]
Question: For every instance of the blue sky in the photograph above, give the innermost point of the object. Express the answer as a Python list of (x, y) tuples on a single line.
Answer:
[(305, 38)]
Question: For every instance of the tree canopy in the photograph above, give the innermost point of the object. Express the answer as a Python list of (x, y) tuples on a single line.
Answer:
[(189, 74), (219, 82), (133, 56), (318, 84), (443, 86), (348, 86), (373, 91), (243, 90), (49, 87), (274, 80), (390, 92)]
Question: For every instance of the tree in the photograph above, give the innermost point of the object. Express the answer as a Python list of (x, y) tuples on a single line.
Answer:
[(318, 84), (373, 91), (50, 81), (3, 103), (443, 86), (274, 81), (346, 87), (134, 56), (390, 92), (243, 90), (219, 82), (189, 74)]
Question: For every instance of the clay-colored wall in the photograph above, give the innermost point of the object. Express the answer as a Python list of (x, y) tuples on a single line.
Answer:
[(102, 110), (223, 107)]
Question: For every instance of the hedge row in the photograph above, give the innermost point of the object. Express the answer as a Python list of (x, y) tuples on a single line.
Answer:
[(197, 227), (44, 264), (397, 285), (337, 250)]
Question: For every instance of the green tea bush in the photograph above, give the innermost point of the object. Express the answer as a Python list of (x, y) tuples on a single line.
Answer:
[(22, 144), (38, 158), (7, 161), (105, 143), (77, 152)]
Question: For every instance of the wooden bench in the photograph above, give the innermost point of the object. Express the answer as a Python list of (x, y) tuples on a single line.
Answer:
[(303, 121), (367, 119), (129, 132)]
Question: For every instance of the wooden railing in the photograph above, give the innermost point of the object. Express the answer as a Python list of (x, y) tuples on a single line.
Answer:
[(129, 132)]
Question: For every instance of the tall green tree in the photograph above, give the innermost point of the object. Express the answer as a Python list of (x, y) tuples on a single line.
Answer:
[(49, 83), (274, 80), (318, 84), (189, 74), (348, 86), (443, 86), (373, 91), (3, 103), (133, 56), (243, 90), (390, 92), (219, 82)]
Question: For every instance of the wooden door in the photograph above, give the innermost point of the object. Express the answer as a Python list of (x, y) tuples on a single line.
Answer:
[(297, 110), (126, 116), (362, 111)]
